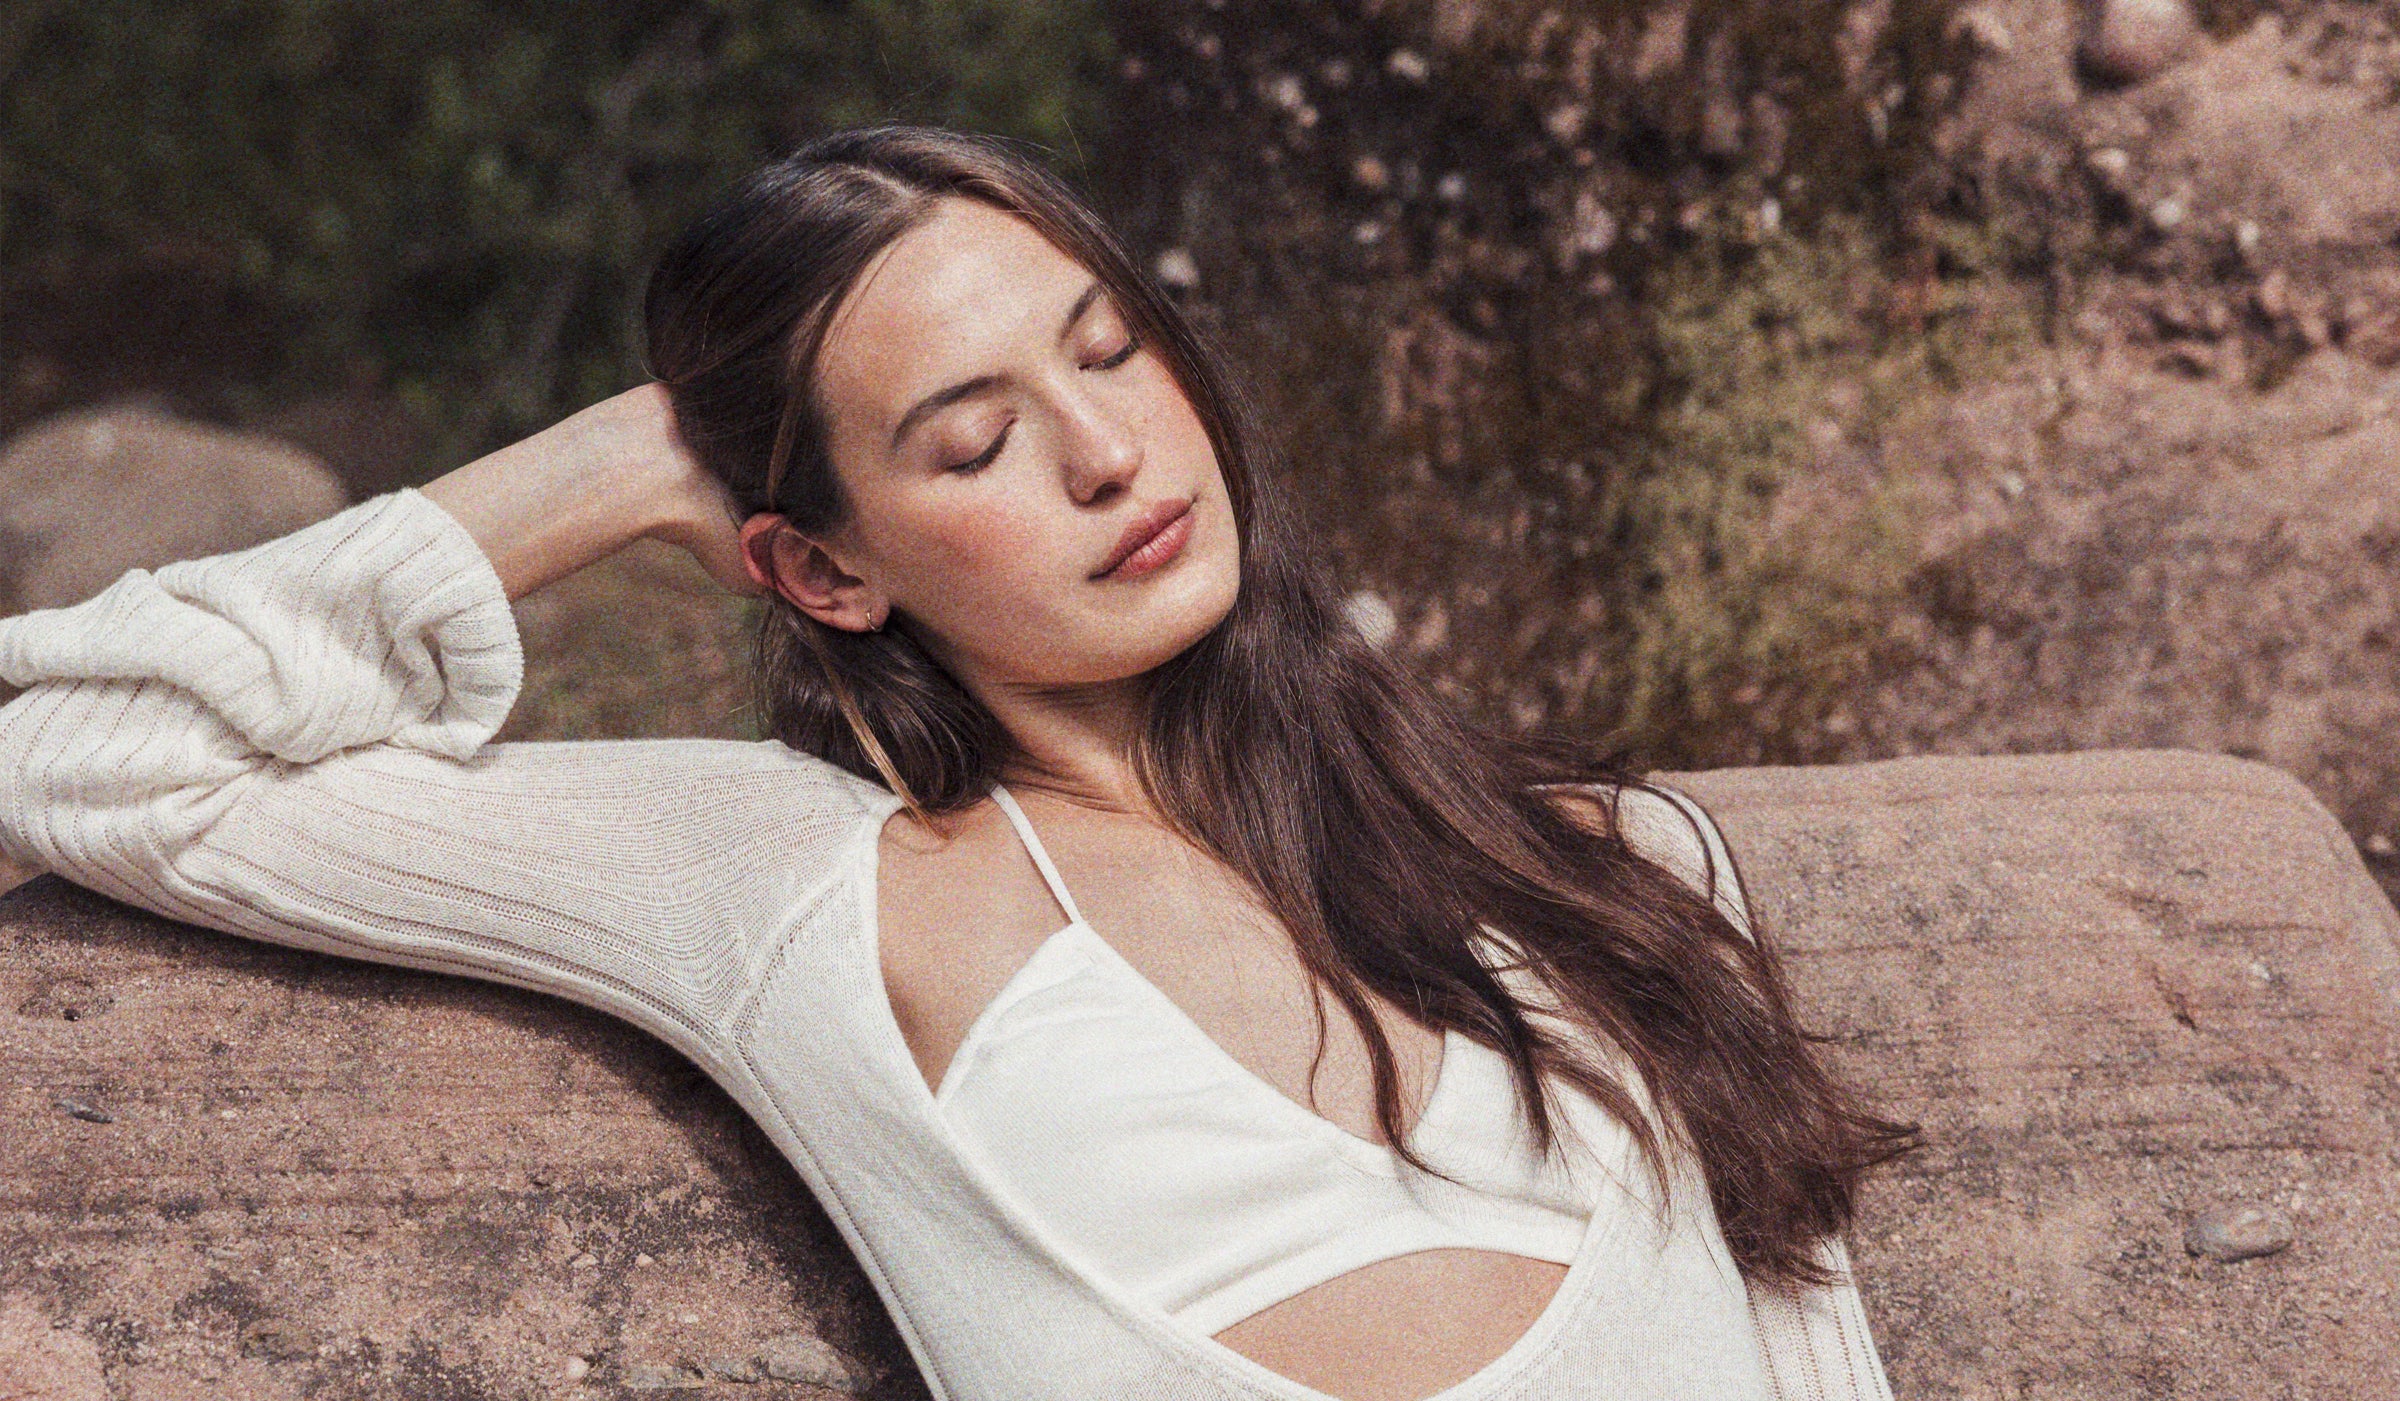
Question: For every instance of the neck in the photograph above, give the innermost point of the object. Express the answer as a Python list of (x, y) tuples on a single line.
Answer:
[(1075, 743)]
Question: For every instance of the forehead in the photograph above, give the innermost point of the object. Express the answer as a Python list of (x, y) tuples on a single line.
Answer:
[(939, 304)]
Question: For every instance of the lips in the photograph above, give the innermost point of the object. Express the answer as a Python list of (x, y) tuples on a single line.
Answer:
[(1150, 539)]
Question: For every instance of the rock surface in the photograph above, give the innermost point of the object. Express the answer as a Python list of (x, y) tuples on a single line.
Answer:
[(2118, 990), (86, 496), (331, 1179), (45, 1361)]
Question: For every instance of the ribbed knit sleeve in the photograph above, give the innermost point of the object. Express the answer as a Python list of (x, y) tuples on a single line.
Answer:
[(290, 742), (1816, 1340)]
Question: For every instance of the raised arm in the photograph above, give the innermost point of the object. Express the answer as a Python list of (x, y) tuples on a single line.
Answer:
[(588, 486), (290, 742)]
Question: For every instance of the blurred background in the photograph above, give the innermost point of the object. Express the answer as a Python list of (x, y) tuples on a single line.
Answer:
[(1735, 381)]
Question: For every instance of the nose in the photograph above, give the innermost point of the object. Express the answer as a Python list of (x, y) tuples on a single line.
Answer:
[(1102, 448)]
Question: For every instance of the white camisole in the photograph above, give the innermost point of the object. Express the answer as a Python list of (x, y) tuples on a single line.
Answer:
[(1207, 1191)]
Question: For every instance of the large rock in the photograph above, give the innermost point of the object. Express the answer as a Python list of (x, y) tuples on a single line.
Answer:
[(2119, 990), (331, 1179), (86, 496)]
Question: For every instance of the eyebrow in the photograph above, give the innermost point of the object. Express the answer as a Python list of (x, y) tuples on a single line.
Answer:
[(943, 398)]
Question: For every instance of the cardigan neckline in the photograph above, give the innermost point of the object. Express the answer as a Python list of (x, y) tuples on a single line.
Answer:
[(891, 1050)]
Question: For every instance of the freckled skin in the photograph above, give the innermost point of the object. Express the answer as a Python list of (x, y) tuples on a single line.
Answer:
[(994, 564)]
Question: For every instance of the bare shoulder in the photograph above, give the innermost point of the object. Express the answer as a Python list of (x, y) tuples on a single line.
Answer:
[(958, 870), (959, 908)]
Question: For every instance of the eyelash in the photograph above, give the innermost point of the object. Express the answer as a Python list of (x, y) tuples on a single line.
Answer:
[(984, 459)]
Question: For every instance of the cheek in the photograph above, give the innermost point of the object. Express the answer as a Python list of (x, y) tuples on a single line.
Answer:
[(956, 558)]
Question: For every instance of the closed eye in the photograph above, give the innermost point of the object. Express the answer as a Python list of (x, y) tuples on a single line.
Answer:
[(985, 458), (1131, 345)]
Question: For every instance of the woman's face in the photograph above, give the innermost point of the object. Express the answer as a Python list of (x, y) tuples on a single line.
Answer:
[(1002, 441)]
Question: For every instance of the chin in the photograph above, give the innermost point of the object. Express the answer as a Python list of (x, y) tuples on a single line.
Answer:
[(1172, 626)]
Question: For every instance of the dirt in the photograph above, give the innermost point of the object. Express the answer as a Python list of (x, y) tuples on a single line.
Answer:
[(2175, 525)]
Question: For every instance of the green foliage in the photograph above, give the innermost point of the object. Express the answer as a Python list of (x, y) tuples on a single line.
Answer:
[(458, 198), (1776, 545)]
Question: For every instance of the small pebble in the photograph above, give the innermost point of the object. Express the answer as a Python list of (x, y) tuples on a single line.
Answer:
[(89, 1113), (2273, 295), (1408, 65), (578, 1368), (584, 1261), (2241, 1232), (2133, 41), (1177, 269), (1372, 617), (728, 1368), (1986, 31), (642, 1260), (810, 1360), (2111, 163)]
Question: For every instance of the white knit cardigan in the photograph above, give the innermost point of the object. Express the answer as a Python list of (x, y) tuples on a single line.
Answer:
[(290, 743)]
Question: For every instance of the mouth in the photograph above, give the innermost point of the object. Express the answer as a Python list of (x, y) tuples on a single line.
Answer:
[(1150, 540)]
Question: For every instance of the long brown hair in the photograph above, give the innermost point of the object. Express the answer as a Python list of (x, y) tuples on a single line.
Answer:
[(1379, 826)]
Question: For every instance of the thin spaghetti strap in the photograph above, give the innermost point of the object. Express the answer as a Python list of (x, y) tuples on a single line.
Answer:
[(1034, 848)]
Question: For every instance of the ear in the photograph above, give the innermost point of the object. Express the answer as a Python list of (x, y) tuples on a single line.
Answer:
[(805, 574)]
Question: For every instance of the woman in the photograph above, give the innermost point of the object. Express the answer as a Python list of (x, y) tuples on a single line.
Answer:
[(1041, 640)]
